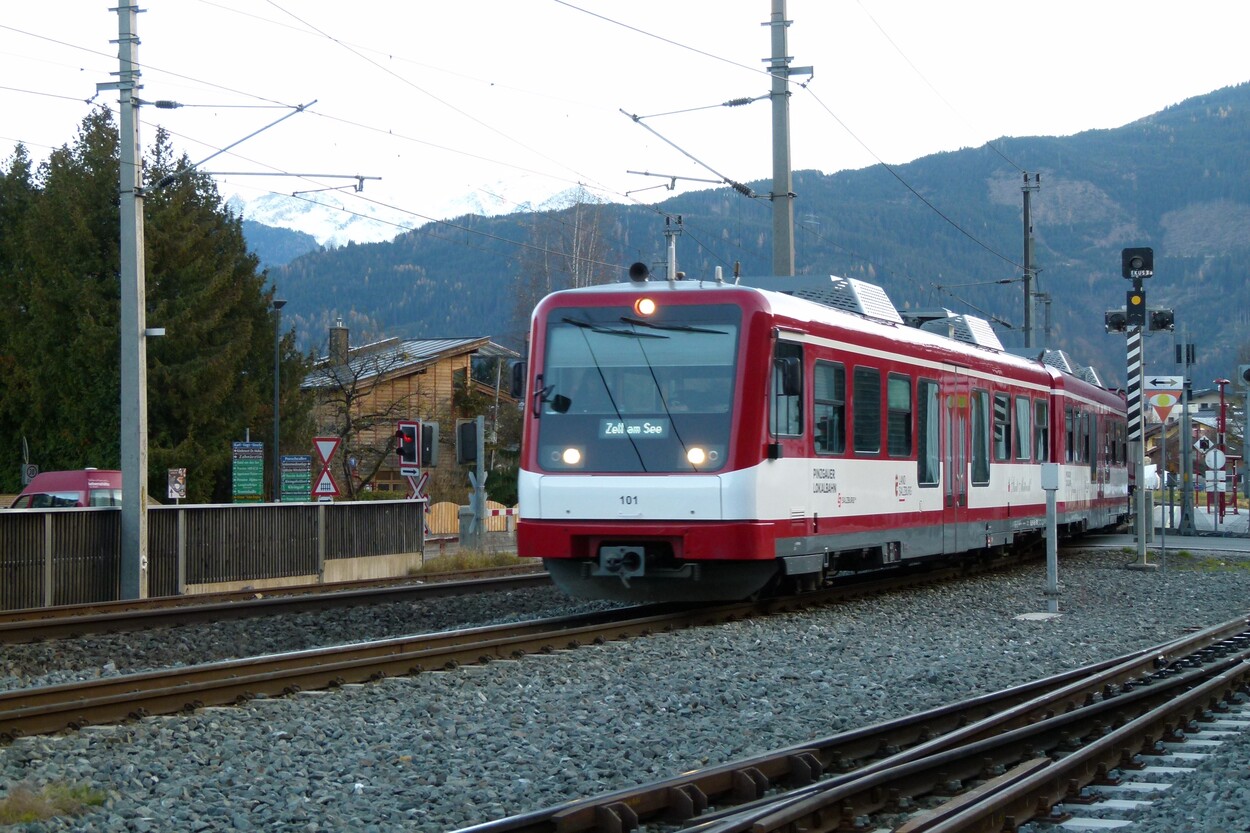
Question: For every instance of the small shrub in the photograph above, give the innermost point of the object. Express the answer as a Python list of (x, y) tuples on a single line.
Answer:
[(26, 804), (466, 560)]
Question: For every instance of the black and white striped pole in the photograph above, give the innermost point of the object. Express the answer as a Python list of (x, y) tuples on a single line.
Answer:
[(1137, 263)]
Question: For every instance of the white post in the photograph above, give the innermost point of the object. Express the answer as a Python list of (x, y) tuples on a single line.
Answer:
[(1050, 484)]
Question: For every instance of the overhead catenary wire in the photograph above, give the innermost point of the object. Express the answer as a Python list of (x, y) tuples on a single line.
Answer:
[(928, 83), (737, 186), (894, 173), (585, 180)]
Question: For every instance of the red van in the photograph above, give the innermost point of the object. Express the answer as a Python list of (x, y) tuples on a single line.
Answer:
[(63, 489)]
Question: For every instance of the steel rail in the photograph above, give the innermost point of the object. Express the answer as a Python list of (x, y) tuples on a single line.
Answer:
[(52, 708), (885, 790), (1029, 793), (70, 705), (113, 617), (800, 770)]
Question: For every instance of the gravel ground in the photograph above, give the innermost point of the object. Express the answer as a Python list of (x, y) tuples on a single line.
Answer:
[(49, 663), (449, 749)]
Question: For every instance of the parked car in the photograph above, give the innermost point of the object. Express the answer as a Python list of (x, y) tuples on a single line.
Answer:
[(64, 489)]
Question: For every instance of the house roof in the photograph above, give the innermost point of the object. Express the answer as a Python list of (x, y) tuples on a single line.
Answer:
[(396, 357)]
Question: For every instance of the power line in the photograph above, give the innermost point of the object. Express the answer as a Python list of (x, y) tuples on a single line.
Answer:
[(927, 83), (908, 186)]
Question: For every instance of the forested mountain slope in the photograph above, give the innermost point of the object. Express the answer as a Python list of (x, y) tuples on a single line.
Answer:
[(1176, 181)]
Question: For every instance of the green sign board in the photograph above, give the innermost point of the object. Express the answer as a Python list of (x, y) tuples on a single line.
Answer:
[(296, 478), (248, 480)]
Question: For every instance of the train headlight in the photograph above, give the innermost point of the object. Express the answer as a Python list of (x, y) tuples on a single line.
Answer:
[(644, 306), (696, 456), (563, 457)]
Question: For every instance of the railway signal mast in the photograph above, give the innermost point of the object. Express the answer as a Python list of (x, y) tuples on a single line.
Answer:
[(1136, 265)]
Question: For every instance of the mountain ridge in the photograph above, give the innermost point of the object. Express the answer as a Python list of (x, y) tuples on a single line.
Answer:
[(1173, 180)]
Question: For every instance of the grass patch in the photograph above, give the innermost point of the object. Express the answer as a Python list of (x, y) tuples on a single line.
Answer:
[(1214, 563), (467, 560), (25, 803)]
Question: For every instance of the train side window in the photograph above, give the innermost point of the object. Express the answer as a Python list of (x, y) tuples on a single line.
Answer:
[(1092, 444), (898, 415), (1020, 440), (1082, 436), (980, 437), (866, 409), (928, 425), (787, 400), (1069, 424), (1002, 426), (829, 395), (1041, 430)]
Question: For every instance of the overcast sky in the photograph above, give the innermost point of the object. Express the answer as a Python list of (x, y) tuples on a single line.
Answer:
[(440, 99)]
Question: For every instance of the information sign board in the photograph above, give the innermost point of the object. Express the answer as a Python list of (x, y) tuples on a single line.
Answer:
[(248, 472), (296, 478)]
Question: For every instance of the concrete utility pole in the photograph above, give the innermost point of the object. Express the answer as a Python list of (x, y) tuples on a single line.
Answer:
[(134, 364), (783, 182), (1028, 256)]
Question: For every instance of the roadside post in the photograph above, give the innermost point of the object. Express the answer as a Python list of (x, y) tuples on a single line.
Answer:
[(1050, 484)]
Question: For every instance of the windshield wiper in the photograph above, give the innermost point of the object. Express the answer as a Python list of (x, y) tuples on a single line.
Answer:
[(609, 331), (684, 328)]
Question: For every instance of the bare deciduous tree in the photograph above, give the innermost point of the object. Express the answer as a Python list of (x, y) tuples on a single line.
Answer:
[(360, 397)]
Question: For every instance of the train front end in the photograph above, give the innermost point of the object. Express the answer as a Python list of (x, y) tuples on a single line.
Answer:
[(633, 441)]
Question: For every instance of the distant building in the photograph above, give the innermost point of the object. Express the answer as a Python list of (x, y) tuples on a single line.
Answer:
[(362, 392)]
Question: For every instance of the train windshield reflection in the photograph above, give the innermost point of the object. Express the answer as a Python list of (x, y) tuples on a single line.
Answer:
[(637, 395)]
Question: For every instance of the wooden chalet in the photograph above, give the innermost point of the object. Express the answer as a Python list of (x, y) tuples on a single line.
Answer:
[(362, 392)]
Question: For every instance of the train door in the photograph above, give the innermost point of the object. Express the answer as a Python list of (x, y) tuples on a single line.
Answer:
[(955, 457)]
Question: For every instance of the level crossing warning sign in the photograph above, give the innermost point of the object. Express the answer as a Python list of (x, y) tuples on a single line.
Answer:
[(324, 487)]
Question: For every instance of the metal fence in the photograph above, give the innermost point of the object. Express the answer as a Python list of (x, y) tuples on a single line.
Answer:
[(71, 556)]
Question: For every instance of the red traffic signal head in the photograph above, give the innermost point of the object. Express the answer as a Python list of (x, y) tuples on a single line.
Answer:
[(408, 443)]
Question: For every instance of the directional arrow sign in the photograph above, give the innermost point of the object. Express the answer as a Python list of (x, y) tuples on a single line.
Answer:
[(1165, 382)]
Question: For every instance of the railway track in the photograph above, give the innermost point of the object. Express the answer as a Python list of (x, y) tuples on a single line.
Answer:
[(33, 624), (987, 764), (131, 696)]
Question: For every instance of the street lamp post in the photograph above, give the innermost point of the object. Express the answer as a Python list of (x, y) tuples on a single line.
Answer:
[(277, 420)]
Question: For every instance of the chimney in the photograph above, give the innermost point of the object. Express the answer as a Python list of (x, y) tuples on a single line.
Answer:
[(338, 344)]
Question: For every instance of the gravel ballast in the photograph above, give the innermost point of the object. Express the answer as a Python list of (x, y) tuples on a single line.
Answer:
[(445, 750)]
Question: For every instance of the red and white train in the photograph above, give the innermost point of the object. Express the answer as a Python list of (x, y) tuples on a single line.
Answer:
[(692, 440)]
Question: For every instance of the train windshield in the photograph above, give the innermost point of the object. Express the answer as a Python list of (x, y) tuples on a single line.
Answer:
[(625, 392)]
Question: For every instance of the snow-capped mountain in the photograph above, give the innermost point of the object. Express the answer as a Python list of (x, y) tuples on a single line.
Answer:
[(335, 219), (331, 218), (510, 197)]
